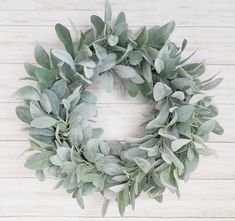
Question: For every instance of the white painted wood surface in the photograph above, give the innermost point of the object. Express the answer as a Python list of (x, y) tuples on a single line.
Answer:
[(209, 26)]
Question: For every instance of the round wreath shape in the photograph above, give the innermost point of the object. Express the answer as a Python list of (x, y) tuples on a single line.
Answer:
[(61, 108)]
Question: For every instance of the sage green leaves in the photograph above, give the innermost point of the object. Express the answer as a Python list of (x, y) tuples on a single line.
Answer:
[(60, 112), (161, 91)]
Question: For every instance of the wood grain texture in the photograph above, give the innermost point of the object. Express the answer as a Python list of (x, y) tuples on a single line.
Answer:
[(211, 43), (198, 198), (35, 218), (185, 13), (208, 25)]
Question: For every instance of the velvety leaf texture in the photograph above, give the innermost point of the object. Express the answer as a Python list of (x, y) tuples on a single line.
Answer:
[(60, 111)]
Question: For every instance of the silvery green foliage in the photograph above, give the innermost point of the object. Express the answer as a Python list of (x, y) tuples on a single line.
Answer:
[(60, 108)]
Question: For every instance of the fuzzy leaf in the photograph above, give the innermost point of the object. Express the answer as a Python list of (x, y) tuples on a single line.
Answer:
[(28, 93), (98, 25), (107, 81), (177, 144), (65, 37), (42, 57), (158, 36), (45, 76), (142, 38), (132, 89), (113, 40), (159, 65), (212, 84), (206, 128), (43, 122), (143, 164), (65, 57), (167, 179), (38, 161), (125, 71), (184, 112), (161, 91), (23, 113)]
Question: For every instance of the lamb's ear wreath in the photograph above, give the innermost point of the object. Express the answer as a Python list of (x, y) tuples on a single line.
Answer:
[(59, 112)]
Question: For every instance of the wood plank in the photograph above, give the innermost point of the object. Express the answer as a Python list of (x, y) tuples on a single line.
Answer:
[(10, 75), (35, 218), (125, 119), (185, 13), (204, 198), (220, 167), (213, 44)]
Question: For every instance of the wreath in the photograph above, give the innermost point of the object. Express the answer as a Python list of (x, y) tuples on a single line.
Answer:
[(60, 112)]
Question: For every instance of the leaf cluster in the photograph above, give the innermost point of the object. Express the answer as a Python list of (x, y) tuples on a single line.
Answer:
[(60, 109)]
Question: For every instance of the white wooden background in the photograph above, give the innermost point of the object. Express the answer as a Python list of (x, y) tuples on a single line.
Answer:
[(209, 26)]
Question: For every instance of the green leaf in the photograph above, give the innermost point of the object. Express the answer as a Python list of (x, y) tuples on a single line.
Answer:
[(54, 101), (184, 112), (117, 188), (65, 37), (132, 153), (89, 72), (158, 36), (108, 12), (143, 164), (101, 52), (107, 81), (60, 88), (98, 25), (206, 128), (107, 63), (147, 72), (43, 122), (132, 89), (23, 113), (142, 38), (137, 79), (159, 65), (64, 153), (29, 69), (183, 83), (36, 110), (40, 175), (212, 84), (161, 91), (122, 198), (65, 57), (91, 150), (45, 76), (178, 95), (167, 179), (196, 98), (161, 118), (105, 207), (42, 57), (184, 43), (135, 57), (218, 129), (113, 40), (177, 144), (88, 97), (76, 135), (79, 199), (39, 161), (125, 71), (104, 147), (28, 93), (45, 102)]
